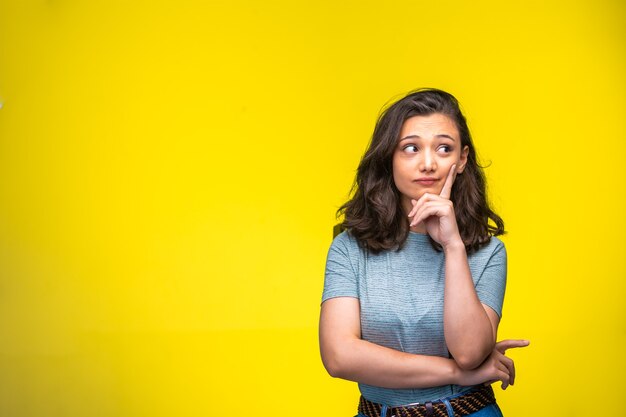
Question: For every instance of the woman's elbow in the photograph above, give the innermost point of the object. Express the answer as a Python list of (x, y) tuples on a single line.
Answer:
[(333, 362), (472, 355), (468, 362), (332, 367), (471, 360)]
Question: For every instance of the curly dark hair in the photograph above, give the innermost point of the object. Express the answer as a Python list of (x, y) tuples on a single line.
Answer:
[(374, 214)]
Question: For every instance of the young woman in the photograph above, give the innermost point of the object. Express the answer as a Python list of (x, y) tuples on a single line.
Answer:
[(414, 284)]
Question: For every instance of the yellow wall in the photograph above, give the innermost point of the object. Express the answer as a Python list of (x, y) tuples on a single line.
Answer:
[(169, 173)]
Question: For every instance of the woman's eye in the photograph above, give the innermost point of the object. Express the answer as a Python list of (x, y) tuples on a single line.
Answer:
[(410, 148), (446, 148)]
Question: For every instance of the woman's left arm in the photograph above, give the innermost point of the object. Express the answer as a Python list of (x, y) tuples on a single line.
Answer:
[(470, 327)]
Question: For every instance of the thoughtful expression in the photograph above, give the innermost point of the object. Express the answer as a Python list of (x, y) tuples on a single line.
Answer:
[(427, 148)]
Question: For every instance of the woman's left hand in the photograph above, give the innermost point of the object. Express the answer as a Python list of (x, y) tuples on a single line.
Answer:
[(437, 213)]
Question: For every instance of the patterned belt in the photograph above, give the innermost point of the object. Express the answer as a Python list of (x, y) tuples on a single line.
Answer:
[(462, 405)]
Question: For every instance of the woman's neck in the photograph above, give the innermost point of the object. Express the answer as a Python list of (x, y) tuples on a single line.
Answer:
[(419, 228)]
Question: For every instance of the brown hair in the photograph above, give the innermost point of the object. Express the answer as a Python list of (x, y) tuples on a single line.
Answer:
[(374, 214)]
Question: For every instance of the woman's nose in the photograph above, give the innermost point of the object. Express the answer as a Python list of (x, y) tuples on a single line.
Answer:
[(428, 162)]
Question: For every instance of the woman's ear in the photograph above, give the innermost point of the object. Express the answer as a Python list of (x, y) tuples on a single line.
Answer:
[(462, 160)]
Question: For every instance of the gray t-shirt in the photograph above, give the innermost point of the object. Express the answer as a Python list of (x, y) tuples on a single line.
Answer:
[(401, 299)]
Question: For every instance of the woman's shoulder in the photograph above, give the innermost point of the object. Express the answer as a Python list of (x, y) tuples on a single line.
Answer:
[(347, 245), (345, 240), (489, 249), (495, 242)]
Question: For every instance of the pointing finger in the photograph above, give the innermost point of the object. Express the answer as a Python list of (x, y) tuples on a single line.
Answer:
[(447, 186), (503, 345)]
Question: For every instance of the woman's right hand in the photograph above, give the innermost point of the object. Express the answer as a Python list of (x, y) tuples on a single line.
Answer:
[(497, 367)]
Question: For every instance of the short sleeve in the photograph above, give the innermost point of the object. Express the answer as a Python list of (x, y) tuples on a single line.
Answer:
[(491, 284), (340, 278)]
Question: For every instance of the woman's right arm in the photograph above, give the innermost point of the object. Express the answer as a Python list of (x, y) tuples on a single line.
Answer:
[(345, 355)]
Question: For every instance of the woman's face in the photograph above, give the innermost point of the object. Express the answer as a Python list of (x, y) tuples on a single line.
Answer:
[(427, 149)]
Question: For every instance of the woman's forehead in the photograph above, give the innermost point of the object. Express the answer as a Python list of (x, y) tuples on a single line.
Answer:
[(428, 126)]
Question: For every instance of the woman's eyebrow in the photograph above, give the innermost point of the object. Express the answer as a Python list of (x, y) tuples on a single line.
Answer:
[(441, 135)]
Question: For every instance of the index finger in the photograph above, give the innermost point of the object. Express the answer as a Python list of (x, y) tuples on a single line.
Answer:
[(447, 186), (503, 345)]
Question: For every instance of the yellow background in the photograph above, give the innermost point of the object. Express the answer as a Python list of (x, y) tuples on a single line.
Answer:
[(169, 173)]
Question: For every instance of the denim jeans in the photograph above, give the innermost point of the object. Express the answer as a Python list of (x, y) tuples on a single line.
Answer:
[(491, 410)]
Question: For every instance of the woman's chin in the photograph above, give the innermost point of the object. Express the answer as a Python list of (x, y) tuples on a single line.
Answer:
[(430, 190)]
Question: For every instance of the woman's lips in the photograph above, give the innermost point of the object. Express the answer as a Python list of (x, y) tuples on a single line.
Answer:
[(426, 182)]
